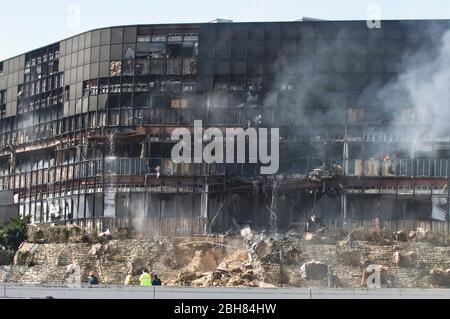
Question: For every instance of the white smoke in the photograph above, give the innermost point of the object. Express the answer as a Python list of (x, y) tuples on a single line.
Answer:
[(423, 88)]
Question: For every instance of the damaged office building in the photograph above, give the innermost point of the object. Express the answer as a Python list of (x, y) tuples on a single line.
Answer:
[(86, 125)]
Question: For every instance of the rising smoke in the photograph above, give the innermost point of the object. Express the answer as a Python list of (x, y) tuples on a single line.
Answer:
[(423, 90)]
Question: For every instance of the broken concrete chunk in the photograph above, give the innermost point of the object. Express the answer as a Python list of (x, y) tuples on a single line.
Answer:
[(247, 233), (412, 235), (263, 249), (105, 235), (98, 250), (421, 233)]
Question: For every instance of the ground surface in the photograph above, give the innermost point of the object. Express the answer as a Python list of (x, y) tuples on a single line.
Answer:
[(12, 291), (318, 260)]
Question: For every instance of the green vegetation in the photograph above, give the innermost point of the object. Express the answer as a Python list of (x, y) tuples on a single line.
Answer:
[(12, 234)]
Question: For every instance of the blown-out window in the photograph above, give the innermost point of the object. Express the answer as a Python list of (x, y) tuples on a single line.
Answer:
[(355, 115)]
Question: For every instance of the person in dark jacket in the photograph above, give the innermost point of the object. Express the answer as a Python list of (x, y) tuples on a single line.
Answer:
[(93, 280), (156, 281)]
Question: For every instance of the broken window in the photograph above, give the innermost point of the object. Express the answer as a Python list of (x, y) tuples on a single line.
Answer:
[(116, 68), (174, 38), (174, 50), (174, 66), (3, 103), (189, 87), (142, 67), (158, 66), (189, 49), (189, 66), (237, 86), (126, 100), (141, 86), (104, 87), (90, 88), (144, 38), (114, 101), (158, 50), (127, 85), (159, 38), (179, 103), (128, 67), (171, 86), (254, 85), (161, 101), (288, 84), (143, 50), (355, 115), (129, 51), (221, 86), (191, 37), (141, 99), (113, 117), (114, 85)]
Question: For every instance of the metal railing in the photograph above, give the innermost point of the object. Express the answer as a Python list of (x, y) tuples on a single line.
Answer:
[(439, 168), (108, 166)]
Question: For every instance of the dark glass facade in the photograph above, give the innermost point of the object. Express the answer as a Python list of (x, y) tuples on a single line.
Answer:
[(85, 123)]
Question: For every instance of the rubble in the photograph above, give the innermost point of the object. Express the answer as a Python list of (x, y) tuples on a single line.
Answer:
[(320, 258), (408, 259), (23, 256), (350, 257), (440, 277), (262, 249), (247, 233), (98, 250), (322, 173), (105, 235)]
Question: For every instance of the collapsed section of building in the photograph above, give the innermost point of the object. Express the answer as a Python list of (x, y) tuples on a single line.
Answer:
[(86, 125)]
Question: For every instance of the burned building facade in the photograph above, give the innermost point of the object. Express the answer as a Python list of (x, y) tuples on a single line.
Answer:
[(86, 123)]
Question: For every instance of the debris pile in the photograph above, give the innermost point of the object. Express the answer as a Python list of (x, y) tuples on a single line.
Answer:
[(98, 250), (41, 234), (440, 277), (234, 271)]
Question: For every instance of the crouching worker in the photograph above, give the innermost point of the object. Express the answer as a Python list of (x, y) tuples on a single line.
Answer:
[(92, 279), (156, 281), (146, 278)]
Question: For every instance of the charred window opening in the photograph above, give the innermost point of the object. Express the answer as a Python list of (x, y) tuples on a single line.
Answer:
[(158, 67), (174, 66), (2, 104), (128, 67), (356, 115), (142, 67), (161, 101), (158, 50)]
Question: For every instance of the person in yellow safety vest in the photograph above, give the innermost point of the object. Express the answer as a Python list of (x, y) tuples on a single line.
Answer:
[(146, 278)]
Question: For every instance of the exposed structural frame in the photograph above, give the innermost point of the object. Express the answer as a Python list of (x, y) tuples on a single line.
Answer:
[(86, 123)]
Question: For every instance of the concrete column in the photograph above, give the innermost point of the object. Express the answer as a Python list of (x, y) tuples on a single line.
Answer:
[(344, 207)]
